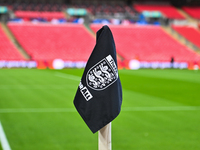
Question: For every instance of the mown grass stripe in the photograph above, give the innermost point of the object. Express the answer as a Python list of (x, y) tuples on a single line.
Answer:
[(68, 76), (50, 110)]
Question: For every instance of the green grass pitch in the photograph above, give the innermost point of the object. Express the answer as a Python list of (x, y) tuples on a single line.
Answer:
[(160, 110)]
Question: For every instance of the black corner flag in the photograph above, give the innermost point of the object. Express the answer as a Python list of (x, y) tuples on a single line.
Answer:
[(99, 96)]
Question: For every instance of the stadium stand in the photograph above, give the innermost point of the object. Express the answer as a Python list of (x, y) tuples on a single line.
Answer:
[(167, 10), (28, 10), (7, 49), (193, 11), (47, 42), (190, 33), (30, 5), (148, 43), (57, 38)]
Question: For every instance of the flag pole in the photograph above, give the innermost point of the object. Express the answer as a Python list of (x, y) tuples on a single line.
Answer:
[(104, 137)]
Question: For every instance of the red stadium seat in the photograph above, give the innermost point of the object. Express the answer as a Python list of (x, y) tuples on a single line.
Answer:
[(47, 42), (37, 14), (148, 43), (27, 14)]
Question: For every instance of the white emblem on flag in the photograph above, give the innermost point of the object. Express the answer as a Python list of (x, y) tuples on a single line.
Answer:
[(103, 74)]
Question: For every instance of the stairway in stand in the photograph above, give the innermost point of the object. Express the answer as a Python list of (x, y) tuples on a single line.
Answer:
[(11, 37)]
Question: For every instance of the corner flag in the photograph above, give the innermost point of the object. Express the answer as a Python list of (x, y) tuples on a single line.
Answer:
[(99, 96)]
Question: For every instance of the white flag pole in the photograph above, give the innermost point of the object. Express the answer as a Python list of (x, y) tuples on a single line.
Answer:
[(104, 137)]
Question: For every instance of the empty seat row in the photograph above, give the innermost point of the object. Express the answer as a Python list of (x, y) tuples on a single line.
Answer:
[(36, 14), (47, 42), (148, 43)]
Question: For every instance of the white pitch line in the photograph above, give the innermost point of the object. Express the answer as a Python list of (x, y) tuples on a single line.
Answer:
[(3, 140), (129, 109), (68, 76)]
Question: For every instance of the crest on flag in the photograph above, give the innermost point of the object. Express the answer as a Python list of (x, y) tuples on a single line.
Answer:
[(103, 74)]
